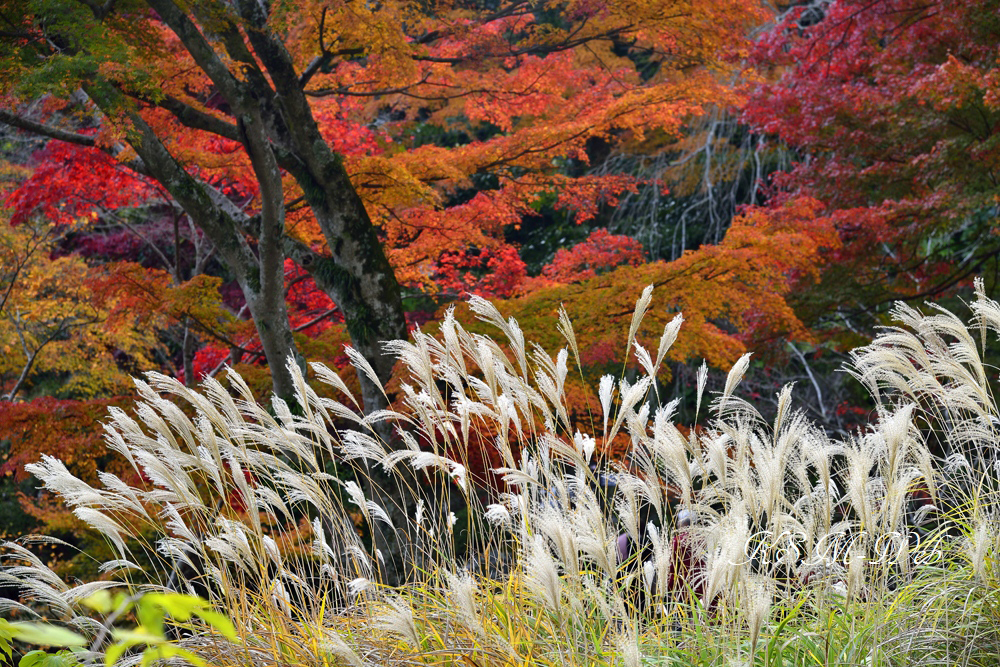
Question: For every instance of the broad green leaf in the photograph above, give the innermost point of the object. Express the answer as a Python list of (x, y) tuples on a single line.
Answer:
[(6, 634), (45, 659), (100, 601), (179, 606), (219, 622), (44, 634), (114, 652), (150, 616)]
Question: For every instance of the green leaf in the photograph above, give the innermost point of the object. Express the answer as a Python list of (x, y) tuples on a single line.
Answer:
[(44, 659), (179, 606), (46, 635), (114, 652), (182, 607), (219, 622), (101, 601), (150, 616), (139, 635), (6, 634)]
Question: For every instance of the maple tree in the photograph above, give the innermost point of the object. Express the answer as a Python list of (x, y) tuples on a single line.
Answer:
[(52, 323), (76, 307), (893, 108), (105, 213), (733, 296), (372, 144), (600, 252), (300, 130)]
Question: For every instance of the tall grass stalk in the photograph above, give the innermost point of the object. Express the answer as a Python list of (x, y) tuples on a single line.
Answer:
[(879, 549)]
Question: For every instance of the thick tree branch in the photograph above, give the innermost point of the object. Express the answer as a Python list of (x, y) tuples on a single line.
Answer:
[(44, 130), (222, 221), (197, 119), (199, 48), (137, 165)]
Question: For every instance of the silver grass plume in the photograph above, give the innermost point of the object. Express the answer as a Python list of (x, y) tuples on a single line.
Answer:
[(398, 619), (732, 380), (462, 592), (542, 574), (605, 392), (641, 305), (565, 327)]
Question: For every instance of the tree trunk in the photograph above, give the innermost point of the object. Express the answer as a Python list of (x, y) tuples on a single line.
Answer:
[(356, 274), (187, 353), (274, 121), (262, 280)]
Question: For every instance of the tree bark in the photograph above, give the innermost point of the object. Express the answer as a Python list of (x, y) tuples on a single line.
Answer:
[(276, 124), (260, 278), (356, 274)]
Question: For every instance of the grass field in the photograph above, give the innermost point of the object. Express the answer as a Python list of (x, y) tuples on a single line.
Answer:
[(881, 549)]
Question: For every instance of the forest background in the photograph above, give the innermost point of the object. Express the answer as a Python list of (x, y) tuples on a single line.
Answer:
[(191, 187)]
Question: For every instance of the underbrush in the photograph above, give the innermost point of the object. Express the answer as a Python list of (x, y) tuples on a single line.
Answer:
[(743, 541)]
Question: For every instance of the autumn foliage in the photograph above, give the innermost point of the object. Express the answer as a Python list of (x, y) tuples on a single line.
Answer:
[(237, 183), (71, 430), (892, 107), (380, 148), (599, 253), (70, 184)]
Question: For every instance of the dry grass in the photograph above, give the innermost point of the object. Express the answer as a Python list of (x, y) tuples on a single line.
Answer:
[(807, 550)]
